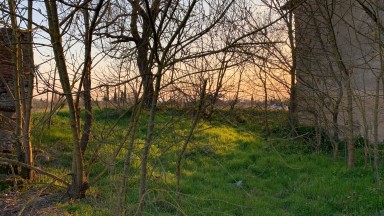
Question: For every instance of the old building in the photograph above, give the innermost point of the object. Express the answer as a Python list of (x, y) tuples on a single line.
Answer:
[(7, 103), (339, 47)]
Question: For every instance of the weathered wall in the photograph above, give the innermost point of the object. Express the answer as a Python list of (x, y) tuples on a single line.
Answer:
[(6, 67), (6, 82), (321, 80), (7, 104)]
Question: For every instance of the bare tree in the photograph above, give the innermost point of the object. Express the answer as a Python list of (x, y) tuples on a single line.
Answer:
[(80, 141)]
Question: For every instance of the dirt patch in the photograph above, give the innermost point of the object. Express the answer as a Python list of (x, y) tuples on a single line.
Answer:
[(31, 202)]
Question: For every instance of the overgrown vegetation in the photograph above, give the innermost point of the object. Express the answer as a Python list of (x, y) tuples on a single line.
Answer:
[(228, 168), (173, 107)]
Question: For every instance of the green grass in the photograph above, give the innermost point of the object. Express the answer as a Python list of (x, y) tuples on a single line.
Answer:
[(279, 176)]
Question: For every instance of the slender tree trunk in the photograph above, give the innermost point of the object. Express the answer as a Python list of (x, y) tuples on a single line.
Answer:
[(185, 145), (376, 155), (236, 99), (266, 120), (128, 159), (79, 182), (27, 144), (88, 118), (350, 133), (219, 85), (147, 145), (17, 70), (318, 134), (293, 86), (376, 133), (335, 138), (52, 98), (346, 75), (335, 119)]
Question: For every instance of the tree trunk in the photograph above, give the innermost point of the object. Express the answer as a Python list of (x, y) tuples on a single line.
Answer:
[(376, 133), (17, 70), (236, 99), (335, 136), (350, 134), (293, 121), (266, 120), (346, 79), (147, 145), (185, 145), (28, 173), (86, 78), (79, 182), (376, 155), (128, 159), (146, 74)]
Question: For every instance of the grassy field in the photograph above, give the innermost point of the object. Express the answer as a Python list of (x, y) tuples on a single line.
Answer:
[(228, 169)]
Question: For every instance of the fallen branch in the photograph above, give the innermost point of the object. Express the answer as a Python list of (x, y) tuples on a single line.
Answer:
[(37, 169)]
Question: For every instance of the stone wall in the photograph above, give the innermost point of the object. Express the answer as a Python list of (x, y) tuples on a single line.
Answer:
[(6, 131), (7, 104), (6, 67)]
